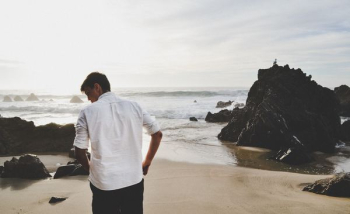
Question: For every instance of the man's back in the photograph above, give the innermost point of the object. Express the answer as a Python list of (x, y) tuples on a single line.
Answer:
[(114, 126)]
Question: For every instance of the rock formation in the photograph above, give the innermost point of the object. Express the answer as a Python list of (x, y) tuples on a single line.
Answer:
[(27, 166), (193, 119), (222, 104), (343, 94), (7, 99), (285, 109), (345, 130), (222, 116), (32, 97), (338, 185), (18, 136), (76, 99), (18, 98)]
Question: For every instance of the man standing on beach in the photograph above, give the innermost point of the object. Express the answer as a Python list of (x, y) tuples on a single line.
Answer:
[(114, 128)]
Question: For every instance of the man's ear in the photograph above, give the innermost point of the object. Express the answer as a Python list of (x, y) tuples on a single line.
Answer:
[(98, 87)]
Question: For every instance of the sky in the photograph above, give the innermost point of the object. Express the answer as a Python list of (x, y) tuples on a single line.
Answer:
[(162, 43)]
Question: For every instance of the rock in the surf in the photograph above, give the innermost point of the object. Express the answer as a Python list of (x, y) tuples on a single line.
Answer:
[(32, 97), (193, 119), (76, 99), (18, 98), (7, 99), (222, 104), (286, 109)]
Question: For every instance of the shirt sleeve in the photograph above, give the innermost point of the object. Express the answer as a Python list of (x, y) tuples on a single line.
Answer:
[(81, 132), (149, 123)]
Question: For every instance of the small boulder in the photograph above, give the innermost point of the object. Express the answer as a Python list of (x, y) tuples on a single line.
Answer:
[(1, 170), (18, 98), (338, 185), (7, 99), (32, 97), (193, 119), (222, 104), (27, 166), (70, 170), (76, 99), (54, 200)]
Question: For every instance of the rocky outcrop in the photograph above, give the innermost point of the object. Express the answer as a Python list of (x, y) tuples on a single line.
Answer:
[(222, 116), (286, 109), (27, 166), (18, 98), (292, 156), (343, 94), (76, 99), (338, 185), (345, 131), (18, 136), (7, 99), (193, 119), (222, 104), (32, 97)]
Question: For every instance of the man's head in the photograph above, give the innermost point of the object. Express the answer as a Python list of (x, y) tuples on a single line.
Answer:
[(95, 85)]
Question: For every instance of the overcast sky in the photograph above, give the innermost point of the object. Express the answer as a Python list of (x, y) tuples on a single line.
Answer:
[(55, 44)]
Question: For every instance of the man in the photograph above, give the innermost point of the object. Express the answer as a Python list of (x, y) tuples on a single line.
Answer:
[(114, 128)]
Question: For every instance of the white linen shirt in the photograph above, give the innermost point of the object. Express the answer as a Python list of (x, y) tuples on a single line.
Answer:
[(114, 127)]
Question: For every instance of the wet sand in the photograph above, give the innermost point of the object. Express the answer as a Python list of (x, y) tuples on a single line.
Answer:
[(177, 187)]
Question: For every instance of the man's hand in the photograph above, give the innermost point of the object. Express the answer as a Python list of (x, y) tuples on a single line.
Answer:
[(80, 155), (145, 167), (152, 150)]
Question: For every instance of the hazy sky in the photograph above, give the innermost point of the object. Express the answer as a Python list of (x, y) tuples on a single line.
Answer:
[(55, 44)]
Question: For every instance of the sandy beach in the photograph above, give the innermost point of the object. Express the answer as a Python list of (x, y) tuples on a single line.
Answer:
[(178, 187)]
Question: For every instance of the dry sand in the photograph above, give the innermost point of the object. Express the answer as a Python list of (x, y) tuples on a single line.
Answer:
[(173, 187)]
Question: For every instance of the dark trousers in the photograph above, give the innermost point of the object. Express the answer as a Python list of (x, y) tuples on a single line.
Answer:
[(128, 200)]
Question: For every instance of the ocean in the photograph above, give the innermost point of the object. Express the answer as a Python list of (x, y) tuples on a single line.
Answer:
[(183, 140)]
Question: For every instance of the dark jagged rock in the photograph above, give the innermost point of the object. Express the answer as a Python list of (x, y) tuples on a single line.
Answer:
[(27, 166), (32, 97), (64, 171), (7, 99), (343, 94), (293, 156), (18, 98), (222, 116), (193, 119), (345, 130), (338, 185), (222, 104), (76, 99), (286, 109), (54, 200), (18, 136), (71, 169), (1, 170)]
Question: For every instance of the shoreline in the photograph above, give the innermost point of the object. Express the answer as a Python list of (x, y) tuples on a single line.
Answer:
[(181, 187)]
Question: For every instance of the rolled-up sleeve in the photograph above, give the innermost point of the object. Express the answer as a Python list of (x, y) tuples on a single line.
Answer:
[(81, 132), (149, 123)]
